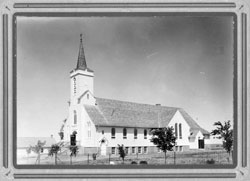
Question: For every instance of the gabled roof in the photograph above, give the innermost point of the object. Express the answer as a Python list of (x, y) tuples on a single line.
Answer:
[(109, 112), (25, 142)]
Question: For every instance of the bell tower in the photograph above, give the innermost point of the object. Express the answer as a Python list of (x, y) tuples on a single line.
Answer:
[(81, 78)]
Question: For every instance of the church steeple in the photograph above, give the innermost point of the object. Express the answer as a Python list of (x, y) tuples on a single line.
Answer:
[(81, 78), (81, 62)]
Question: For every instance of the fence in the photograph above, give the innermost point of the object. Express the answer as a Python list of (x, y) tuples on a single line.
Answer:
[(172, 158)]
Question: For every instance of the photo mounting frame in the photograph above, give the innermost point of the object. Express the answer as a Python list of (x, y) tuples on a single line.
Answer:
[(10, 10)]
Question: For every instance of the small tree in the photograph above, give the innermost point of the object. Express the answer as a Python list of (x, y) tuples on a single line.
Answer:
[(54, 149), (38, 149), (121, 152), (164, 139), (73, 151), (28, 150), (225, 133), (61, 134)]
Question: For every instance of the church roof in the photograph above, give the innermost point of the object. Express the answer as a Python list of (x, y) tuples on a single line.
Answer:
[(109, 112), (81, 62)]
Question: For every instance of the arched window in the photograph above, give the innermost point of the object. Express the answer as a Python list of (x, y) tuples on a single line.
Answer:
[(124, 133), (113, 133), (180, 131), (145, 133), (176, 130), (135, 133), (75, 117)]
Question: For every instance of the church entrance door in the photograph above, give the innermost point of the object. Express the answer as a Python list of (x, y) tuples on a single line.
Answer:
[(103, 147), (201, 144)]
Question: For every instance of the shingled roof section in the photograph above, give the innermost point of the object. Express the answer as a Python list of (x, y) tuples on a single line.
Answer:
[(109, 112)]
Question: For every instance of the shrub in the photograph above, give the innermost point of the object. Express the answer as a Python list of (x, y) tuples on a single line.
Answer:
[(133, 162), (143, 162), (94, 156), (210, 161)]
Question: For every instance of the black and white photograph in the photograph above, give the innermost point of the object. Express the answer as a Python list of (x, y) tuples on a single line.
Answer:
[(125, 90)]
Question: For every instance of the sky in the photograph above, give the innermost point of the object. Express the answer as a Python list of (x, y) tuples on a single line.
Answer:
[(177, 61)]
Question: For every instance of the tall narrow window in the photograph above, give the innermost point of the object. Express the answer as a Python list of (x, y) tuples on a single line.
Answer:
[(89, 129), (133, 150), (75, 117), (113, 150), (113, 133), (176, 130), (139, 150), (145, 133), (180, 131), (126, 150), (135, 133), (87, 96), (124, 133)]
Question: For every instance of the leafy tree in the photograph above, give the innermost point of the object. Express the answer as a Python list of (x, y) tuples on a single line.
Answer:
[(121, 152), (164, 139), (38, 149), (225, 133), (73, 151), (54, 149)]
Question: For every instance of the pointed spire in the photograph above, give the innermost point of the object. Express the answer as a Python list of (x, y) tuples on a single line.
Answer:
[(81, 62)]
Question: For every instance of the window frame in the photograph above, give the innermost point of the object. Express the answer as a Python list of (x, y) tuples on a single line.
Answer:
[(75, 117), (124, 133), (135, 133), (176, 129), (139, 150), (112, 133), (180, 131), (113, 150), (133, 150), (145, 135)]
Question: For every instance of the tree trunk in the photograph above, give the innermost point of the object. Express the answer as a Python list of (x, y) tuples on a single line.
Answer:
[(165, 153), (38, 158), (55, 159), (228, 157), (70, 160)]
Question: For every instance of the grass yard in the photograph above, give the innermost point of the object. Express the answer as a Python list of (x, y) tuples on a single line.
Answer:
[(178, 158)]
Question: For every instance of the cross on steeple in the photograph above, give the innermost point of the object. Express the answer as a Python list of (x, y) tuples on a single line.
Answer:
[(81, 62)]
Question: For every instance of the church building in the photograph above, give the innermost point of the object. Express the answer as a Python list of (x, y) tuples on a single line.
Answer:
[(98, 125)]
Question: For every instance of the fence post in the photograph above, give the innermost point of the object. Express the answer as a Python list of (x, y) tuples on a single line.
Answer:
[(109, 158)]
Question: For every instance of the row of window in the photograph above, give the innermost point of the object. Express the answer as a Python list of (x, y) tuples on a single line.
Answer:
[(125, 133), (176, 130), (132, 150)]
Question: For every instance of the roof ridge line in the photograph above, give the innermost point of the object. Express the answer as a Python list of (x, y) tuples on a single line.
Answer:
[(139, 103)]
